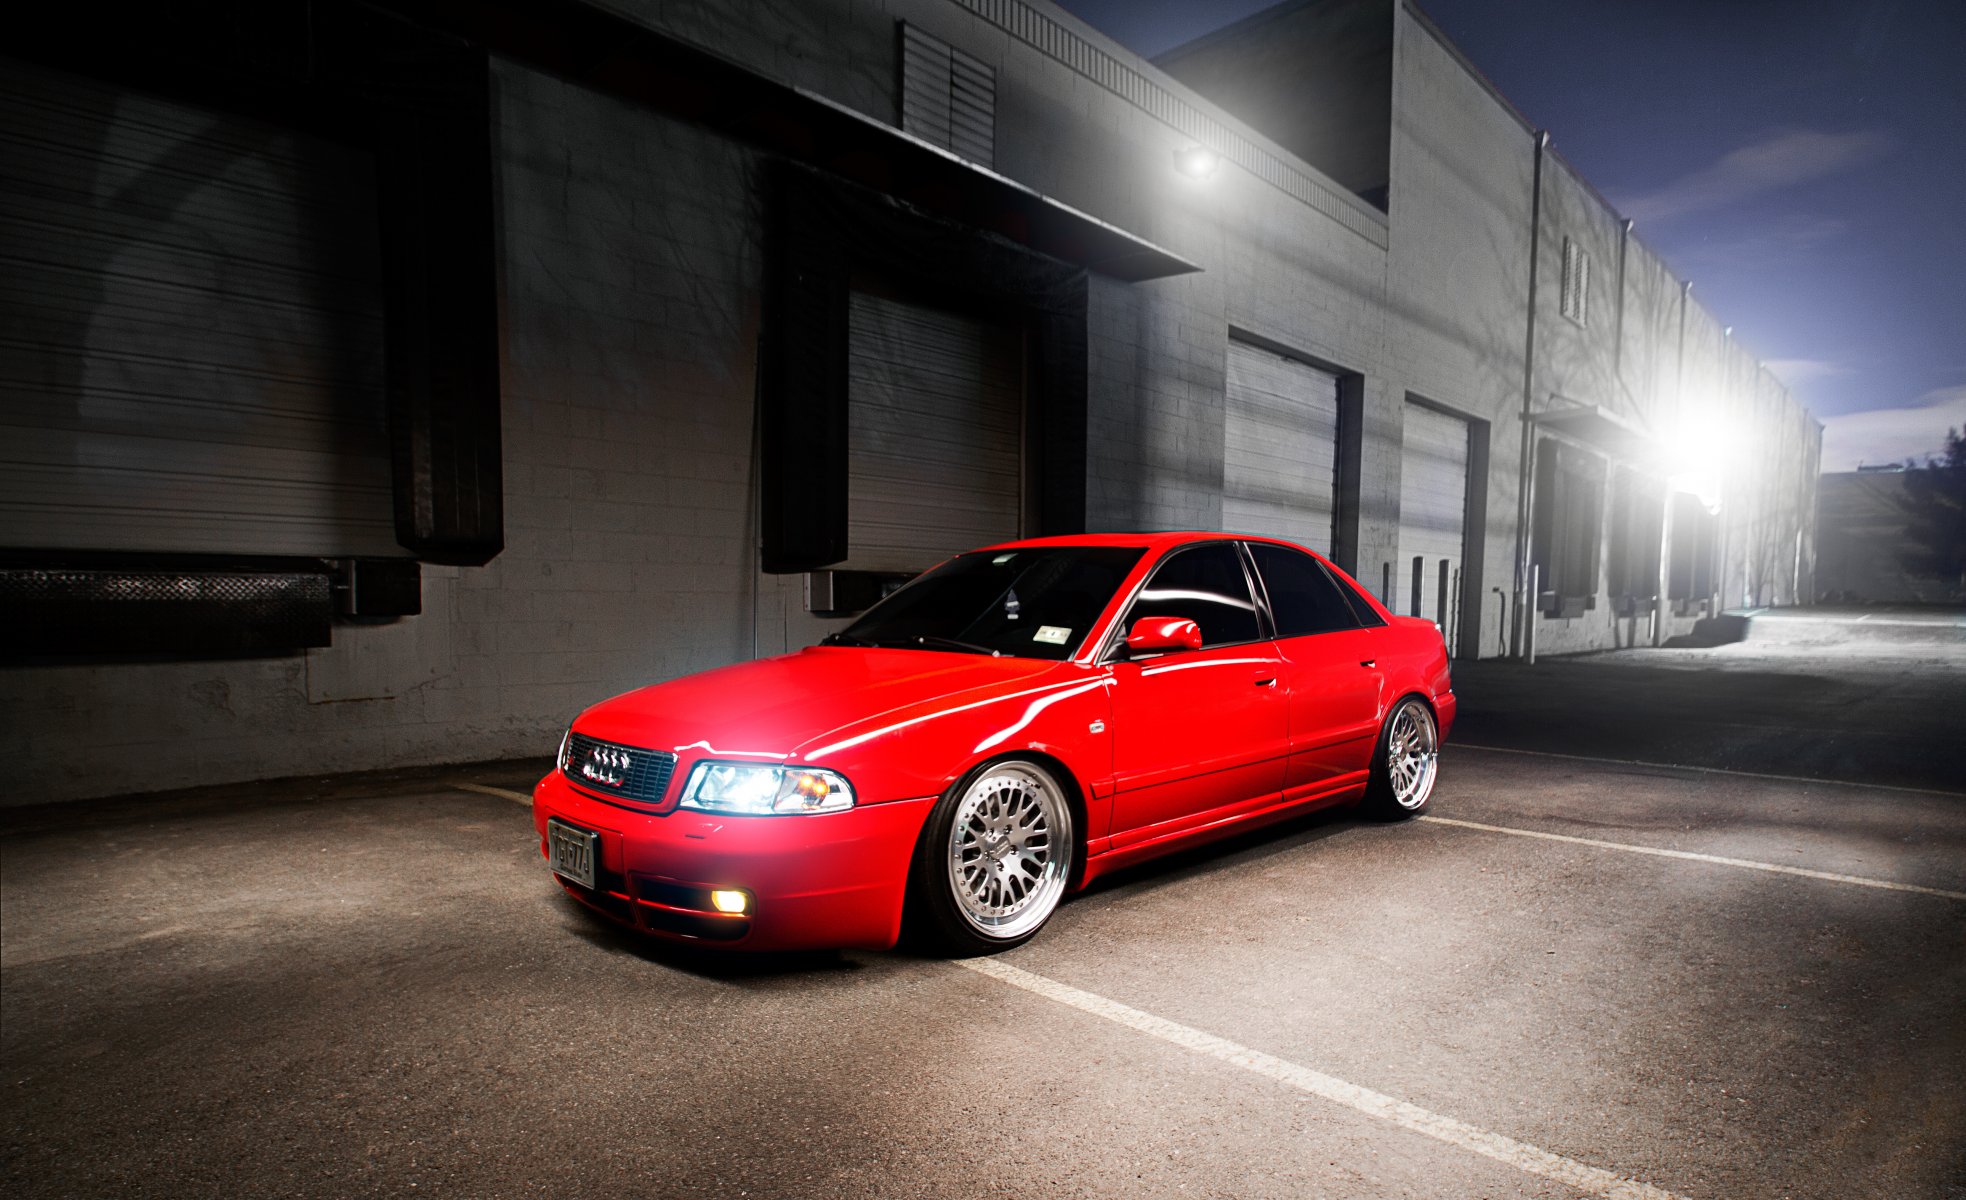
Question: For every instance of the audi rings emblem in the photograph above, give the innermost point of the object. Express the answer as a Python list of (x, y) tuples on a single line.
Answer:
[(607, 765)]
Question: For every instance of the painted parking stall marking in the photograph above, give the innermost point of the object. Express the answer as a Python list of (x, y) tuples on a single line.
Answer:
[(1592, 1181), (485, 789), (1718, 860)]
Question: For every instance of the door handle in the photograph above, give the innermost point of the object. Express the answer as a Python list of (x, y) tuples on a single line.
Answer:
[(1270, 682), (1368, 662)]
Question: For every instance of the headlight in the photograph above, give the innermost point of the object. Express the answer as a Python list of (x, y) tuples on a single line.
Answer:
[(752, 789)]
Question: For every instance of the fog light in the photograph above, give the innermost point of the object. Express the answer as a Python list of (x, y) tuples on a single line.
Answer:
[(732, 902)]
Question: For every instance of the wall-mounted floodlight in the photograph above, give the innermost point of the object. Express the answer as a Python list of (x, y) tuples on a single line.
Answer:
[(1702, 449), (1197, 162)]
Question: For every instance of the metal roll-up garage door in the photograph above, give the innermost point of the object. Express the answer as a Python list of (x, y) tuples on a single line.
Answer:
[(190, 330), (1280, 448), (934, 434), (1433, 498)]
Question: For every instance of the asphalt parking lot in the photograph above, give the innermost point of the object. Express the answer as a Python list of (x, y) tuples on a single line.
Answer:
[(368, 986)]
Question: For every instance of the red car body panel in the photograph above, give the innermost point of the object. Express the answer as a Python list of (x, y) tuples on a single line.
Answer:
[(1161, 753)]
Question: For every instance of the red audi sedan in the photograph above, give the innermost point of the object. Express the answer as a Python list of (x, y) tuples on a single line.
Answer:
[(1002, 730)]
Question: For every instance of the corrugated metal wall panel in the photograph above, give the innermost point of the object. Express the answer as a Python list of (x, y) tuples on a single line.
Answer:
[(1433, 500), (190, 330), (934, 434), (1280, 448)]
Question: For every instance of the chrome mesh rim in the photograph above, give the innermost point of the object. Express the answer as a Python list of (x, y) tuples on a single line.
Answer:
[(1412, 754), (1009, 850)]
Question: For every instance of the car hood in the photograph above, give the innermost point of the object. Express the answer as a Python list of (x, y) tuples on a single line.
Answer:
[(772, 707)]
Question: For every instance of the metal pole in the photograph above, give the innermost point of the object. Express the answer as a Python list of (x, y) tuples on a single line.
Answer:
[(1454, 624), (1528, 615), (1663, 576), (1440, 598), (1525, 481)]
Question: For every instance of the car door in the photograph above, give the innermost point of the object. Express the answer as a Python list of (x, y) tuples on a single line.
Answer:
[(1197, 735), (1330, 669)]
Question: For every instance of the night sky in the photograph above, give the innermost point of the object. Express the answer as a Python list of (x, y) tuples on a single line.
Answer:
[(1802, 161)]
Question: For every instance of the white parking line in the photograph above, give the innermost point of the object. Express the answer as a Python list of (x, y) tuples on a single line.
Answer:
[(1656, 852), (1593, 1181), (1641, 762), (485, 789), (1869, 619)]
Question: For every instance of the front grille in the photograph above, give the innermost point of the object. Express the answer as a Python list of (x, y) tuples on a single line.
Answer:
[(610, 769)]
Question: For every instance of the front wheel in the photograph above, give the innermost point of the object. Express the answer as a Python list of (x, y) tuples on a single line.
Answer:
[(995, 858), (1405, 763)]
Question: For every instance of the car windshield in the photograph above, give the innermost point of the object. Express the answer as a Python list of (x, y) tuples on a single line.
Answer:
[(1037, 603)]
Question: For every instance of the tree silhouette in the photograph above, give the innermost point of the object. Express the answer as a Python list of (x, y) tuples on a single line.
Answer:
[(1935, 501)]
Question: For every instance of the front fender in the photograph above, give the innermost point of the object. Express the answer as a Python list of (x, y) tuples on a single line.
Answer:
[(921, 751)]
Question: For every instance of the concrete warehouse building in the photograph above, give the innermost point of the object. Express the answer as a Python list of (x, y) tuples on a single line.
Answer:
[(1875, 543), (385, 382)]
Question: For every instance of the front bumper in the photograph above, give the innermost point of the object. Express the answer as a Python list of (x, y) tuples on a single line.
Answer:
[(821, 880)]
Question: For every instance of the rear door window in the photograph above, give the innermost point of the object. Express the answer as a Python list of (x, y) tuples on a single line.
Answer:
[(1304, 598)]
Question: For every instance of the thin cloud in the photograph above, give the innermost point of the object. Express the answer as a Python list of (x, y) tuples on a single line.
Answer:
[(1795, 372), (1776, 242), (1916, 431), (1777, 162)]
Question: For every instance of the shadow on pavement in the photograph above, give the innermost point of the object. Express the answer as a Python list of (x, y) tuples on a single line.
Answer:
[(1722, 630)]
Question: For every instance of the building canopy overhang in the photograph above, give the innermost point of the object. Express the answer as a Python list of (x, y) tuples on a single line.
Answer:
[(1598, 427), (318, 62), (617, 55)]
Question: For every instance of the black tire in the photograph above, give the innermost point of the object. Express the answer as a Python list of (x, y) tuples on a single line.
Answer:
[(994, 859), (1405, 762)]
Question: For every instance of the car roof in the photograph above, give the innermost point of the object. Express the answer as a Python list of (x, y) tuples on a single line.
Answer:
[(1154, 540)]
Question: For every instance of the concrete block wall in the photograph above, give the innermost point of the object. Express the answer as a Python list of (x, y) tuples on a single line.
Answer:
[(630, 261), (631, 268), (1648, 353), (1158, 350), (1463, 168), (1577, 361), (1452, 137)]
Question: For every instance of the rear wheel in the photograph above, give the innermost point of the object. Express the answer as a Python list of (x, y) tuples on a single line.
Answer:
[(995, 858), (1405, 763)]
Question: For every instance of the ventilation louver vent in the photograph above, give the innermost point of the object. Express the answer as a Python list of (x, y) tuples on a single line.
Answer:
[(948, 97), (1576, 282)]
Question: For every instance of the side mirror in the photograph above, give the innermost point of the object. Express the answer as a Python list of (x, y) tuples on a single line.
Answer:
[(1153, 634)]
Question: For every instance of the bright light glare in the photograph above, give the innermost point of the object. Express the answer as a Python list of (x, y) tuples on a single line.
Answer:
[(732, 902), (762, 789), (740, 786), (1197, 162), (1701, 451)]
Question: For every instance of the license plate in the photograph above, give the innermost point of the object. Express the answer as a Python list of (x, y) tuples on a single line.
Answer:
[(571, 851)]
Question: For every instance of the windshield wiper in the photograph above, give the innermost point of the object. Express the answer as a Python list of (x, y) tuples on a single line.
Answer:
[(930, 639)]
